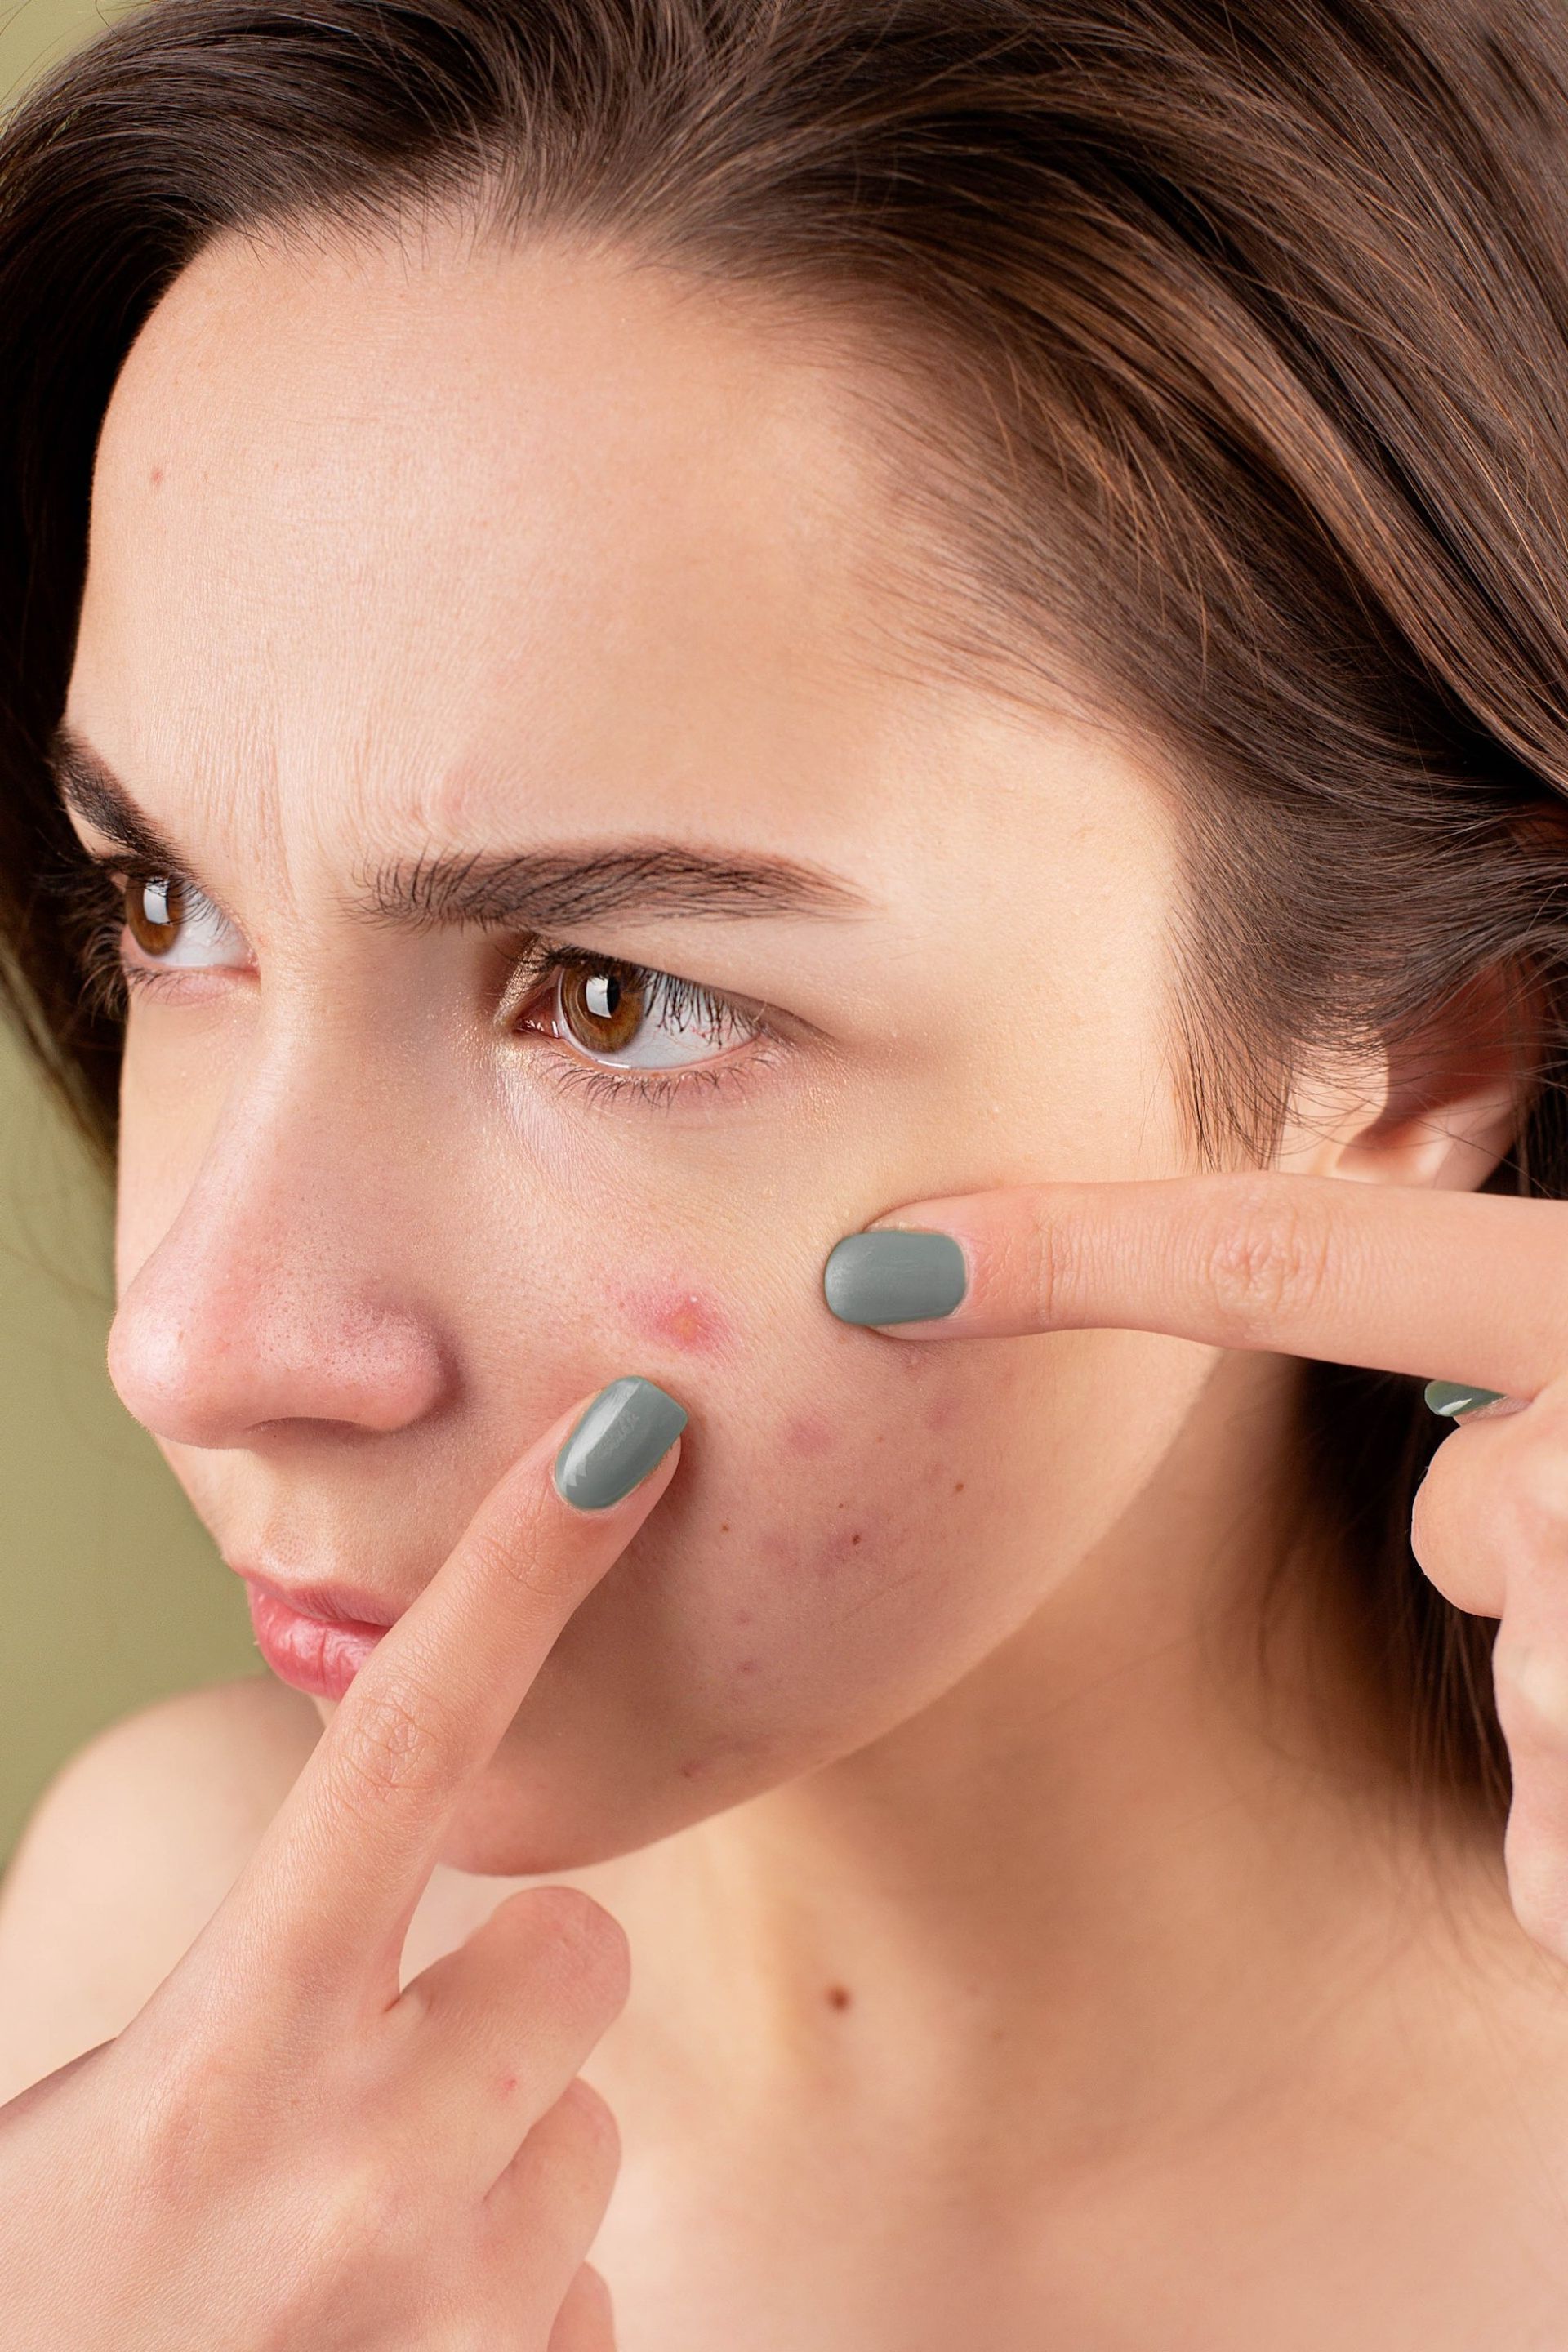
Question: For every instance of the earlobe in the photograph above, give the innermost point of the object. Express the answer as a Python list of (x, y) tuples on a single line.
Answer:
[(1439, 1107)]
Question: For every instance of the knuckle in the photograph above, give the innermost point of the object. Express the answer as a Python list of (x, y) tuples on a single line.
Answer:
[(1036, 1259), (357, 2210), (1266, 1264), (517, 1557), (573, 1939), (392, 1739), (589, 2122)]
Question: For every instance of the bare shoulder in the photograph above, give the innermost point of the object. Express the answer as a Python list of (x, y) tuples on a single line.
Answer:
[(127, 1855)]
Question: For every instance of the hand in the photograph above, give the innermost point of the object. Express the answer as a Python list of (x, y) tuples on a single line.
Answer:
[(1466, 1287), (283, 2149)]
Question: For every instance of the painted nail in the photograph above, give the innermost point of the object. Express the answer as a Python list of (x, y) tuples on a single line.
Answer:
[(894, 1276), (629, 1427), (1454, 1399)]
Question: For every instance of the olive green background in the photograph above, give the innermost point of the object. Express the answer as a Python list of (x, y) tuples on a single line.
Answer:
[(112, 1593)]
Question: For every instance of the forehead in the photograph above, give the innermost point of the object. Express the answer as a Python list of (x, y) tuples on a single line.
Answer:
[(387, 530)]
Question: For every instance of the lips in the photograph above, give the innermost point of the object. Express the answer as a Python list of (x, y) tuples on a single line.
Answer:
[(315, 1636)]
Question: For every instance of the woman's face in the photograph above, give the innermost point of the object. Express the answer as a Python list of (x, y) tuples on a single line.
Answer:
[(409, 569)]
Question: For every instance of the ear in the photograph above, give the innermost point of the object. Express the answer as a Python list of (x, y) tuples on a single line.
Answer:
[(1439, 1108)]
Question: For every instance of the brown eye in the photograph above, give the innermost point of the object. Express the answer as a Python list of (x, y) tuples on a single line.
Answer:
[(153, 908), (602, 1006)]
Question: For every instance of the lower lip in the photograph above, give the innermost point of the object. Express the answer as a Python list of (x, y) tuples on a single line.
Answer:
[(306, 1651)]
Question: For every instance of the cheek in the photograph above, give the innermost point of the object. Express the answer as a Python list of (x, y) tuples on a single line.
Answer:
[(669, 1315), (828, 1516)]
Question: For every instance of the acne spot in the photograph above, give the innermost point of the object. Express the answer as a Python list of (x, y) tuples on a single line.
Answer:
[(694, 1767), (742, 1617), (941, 1414), (854, 1539), (746, 1666), (157, 476), (838, 1995), (810, 1434), (681, 1318)]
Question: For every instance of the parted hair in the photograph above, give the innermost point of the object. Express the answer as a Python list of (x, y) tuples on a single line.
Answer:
[(1232, 347)]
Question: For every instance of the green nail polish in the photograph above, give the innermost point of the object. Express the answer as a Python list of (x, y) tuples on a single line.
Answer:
[(1454, 1399), (894, 1276), (629, 1427)]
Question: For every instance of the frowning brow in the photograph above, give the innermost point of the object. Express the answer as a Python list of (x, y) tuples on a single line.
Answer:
[(551, 888)]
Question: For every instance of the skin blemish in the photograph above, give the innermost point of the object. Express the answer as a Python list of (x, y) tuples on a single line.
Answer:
[(838, 1995), (854, 1539), (810, 1434), (746, 1666), (958, 1485), (680, 1317), (157, 476)]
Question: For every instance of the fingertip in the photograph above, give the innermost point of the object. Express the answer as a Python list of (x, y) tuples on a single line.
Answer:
[(621, 1437), (892, 1275)]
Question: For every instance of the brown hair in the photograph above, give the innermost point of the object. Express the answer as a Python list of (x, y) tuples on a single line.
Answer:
[(1248, 331)]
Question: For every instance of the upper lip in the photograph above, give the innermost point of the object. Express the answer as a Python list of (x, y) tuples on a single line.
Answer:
[(334, 1604)]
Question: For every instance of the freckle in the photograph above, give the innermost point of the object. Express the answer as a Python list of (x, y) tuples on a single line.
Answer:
[(838, 1995), (723, 1527), (958, 1485), (854, 1539)]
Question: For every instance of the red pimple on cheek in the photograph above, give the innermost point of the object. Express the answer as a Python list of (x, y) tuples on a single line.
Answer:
[(679, 1316)]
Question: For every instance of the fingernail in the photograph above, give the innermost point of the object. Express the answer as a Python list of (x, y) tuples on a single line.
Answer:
[(629, 1427), (894, 1276), (1454, 1399)]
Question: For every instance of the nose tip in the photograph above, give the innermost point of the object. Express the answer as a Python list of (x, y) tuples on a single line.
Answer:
[(215, 1361)]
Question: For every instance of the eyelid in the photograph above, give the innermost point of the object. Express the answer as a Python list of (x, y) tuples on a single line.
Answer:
[(129, 865), (539, 955)]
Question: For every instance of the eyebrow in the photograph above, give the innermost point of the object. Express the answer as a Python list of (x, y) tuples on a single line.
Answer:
[(544, 888)]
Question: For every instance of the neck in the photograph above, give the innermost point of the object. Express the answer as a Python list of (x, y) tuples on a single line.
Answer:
[(1131, 1855)]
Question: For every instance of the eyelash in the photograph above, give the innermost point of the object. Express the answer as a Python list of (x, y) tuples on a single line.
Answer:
[(92, 892)]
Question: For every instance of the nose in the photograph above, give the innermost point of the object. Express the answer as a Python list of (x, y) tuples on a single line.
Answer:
[(282, 1290)]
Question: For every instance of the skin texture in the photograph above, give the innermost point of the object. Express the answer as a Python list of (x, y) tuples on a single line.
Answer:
[(1006, 1874)]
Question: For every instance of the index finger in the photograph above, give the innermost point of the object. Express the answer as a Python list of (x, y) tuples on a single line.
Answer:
[(1466, 1286), (332, 1885)]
